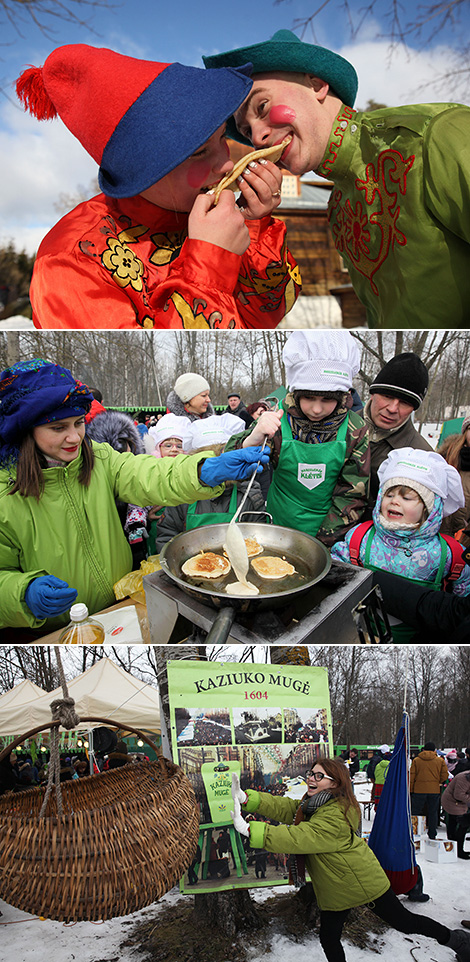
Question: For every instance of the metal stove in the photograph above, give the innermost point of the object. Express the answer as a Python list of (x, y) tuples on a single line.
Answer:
[(340, 609)]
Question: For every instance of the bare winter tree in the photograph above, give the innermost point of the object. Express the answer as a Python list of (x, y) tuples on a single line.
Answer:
[(34, 662), (43, 14), (138, 370), (404, 25)]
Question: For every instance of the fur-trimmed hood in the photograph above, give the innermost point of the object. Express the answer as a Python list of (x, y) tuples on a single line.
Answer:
[(116, 429)]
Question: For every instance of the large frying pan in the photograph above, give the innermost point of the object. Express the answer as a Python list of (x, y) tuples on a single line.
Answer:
[(309, 556)]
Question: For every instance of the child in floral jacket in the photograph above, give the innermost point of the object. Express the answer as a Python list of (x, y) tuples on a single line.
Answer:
[(417, 489)]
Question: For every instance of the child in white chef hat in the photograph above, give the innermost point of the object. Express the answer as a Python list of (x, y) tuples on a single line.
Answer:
[(168, 435), (417, 489), (321, 455), (216, 429), (210, 434)]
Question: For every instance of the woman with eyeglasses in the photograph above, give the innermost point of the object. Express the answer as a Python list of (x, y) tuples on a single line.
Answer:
[(320, 836)]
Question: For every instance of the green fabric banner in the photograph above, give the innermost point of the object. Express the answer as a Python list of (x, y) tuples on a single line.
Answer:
[(266, 722)]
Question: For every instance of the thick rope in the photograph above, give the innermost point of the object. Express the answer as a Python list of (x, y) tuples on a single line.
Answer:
[(63, 710)]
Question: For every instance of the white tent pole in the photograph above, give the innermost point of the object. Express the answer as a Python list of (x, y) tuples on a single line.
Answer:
[(406, 679)]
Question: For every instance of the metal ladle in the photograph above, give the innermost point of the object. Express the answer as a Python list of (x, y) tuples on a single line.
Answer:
[(234, 541)]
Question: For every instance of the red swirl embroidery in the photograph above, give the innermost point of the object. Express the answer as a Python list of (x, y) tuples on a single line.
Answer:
[(345, 115), (356, 231)]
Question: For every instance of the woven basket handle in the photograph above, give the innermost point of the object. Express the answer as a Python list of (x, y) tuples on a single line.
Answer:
[(105, 721)]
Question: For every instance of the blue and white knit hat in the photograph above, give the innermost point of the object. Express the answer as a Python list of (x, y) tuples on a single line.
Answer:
[(32, 393)]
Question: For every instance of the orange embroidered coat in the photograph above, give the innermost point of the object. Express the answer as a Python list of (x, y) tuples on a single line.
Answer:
[(399, 211), (129, 264)]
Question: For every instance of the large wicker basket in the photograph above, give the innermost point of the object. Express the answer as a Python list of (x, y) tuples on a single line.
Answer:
[(125, 838)]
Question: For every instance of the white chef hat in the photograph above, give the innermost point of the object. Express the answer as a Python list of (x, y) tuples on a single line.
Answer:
[(425, 468), (216, 429), (321, 360), (169, 426)]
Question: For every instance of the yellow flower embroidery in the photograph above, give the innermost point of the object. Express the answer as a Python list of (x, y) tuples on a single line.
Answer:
[(167, 247), (122, 263)]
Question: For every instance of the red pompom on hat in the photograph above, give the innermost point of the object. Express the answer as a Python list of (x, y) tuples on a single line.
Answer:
[(138, 119), (89, 87), (33, 94)]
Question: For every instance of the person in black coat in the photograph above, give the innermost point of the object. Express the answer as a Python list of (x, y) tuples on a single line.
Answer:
[(463, 765), (354, 765), (433, 614), (237, 407), (8, 774)]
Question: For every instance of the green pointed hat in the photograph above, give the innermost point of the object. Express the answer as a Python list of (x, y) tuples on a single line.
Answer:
[(285, 52)]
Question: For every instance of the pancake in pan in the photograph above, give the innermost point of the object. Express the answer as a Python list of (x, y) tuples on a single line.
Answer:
[(272, 568), (206, 564)]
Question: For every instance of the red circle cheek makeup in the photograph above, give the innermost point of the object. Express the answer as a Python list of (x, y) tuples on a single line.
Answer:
[(198, 173), (281, 114)]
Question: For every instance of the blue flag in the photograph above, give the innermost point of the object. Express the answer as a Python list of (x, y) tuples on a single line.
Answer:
[(391, 838)]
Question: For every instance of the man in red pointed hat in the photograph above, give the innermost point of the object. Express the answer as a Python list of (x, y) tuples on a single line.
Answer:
[(153, 250)]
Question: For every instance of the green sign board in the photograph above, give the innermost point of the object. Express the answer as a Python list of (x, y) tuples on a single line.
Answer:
[(269, 723)]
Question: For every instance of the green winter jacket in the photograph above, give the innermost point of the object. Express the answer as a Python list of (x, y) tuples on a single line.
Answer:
[(74, 532), (398, 211), (343, 869), (380, 771)]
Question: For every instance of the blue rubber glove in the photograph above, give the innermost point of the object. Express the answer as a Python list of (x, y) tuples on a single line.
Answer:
[(232, 466), (48, 596)]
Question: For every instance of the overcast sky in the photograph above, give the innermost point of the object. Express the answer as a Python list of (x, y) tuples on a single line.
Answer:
[(41, 161)]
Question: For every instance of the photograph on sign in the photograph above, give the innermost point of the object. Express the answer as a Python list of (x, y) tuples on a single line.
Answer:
[(269, 725)]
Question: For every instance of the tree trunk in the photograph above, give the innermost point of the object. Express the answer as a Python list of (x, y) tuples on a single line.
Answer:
[(228, 912)]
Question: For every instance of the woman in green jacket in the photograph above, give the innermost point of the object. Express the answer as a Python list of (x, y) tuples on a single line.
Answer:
[(320, 834), (60, 534)]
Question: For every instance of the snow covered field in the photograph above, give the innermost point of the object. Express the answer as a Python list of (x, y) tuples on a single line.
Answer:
[(26, 938)]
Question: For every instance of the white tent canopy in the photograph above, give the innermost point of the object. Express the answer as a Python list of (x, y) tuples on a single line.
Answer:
[(104, 691), (21, 694)]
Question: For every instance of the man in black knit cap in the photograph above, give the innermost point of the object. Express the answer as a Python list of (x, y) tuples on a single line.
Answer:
[(398, 390)]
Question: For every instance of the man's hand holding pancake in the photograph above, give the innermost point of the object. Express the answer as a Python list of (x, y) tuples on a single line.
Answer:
[(258, 179), (260, 189)]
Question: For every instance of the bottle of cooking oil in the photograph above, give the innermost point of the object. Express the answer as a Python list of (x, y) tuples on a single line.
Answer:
[(82, 629)]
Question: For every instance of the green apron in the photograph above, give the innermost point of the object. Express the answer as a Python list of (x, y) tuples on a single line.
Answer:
[(302, 488), (401, 632), (194, 520)]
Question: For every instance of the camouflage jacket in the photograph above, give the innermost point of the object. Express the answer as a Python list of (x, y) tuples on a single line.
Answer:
[(352, 486)]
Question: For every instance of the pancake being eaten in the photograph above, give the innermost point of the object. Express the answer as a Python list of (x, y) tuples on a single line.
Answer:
[(270, 153), (206, 564), (272, 568)]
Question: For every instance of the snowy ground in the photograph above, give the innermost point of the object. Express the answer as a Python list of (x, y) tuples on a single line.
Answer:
[(26, 938)]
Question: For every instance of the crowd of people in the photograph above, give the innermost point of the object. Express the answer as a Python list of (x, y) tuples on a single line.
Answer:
[(20, 771), (85, 494)]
